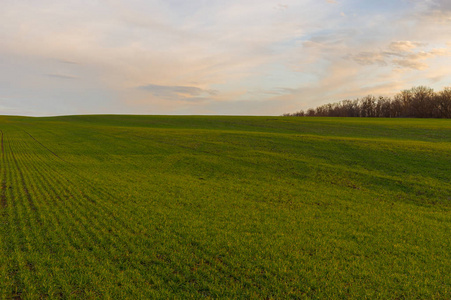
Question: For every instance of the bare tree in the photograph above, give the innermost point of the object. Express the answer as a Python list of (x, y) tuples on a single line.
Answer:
[(418, 102)]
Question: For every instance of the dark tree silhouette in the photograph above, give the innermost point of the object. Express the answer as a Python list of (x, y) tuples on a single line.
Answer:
[(418, 102)]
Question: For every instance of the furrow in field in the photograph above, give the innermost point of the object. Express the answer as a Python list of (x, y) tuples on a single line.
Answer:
[(66, 226), (16, 230), (129, 243), (212, 265), (97, 206), (74, 229), (65, 236), (97, 213), (22, 182), (5, 239), (69, 169), (3, 200), (93, 217), (3, 150), (45, 181), (35, 225), (58, 183), (98, 198), (75, 212), (53, 153)]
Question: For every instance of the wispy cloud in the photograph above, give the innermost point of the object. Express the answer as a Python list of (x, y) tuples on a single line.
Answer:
[(436, 11), (404, 46), (400, 54), (177, 92), (61, 76), (369, 58)]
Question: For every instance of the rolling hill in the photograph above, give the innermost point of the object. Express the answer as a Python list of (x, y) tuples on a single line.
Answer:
[(120, 206)]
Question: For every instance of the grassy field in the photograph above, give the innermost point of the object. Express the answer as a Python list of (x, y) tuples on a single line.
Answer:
[(225, 207)]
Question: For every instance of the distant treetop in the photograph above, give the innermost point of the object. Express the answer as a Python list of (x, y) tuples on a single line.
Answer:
[(418, 102)]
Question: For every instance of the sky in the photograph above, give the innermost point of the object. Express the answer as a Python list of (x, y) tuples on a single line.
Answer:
[(198, 57)]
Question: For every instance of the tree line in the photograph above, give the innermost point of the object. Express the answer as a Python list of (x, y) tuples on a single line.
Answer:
[(418, 102)]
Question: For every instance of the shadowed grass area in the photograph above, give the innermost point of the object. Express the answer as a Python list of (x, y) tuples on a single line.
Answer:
[(229, 207)]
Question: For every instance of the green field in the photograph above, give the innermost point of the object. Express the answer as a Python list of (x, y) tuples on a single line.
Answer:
[(179, 207)]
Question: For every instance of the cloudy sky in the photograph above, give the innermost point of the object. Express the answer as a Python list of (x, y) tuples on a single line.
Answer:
[(239, 57)]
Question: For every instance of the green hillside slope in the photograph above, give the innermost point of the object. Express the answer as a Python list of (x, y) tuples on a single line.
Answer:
[(231, 207)]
